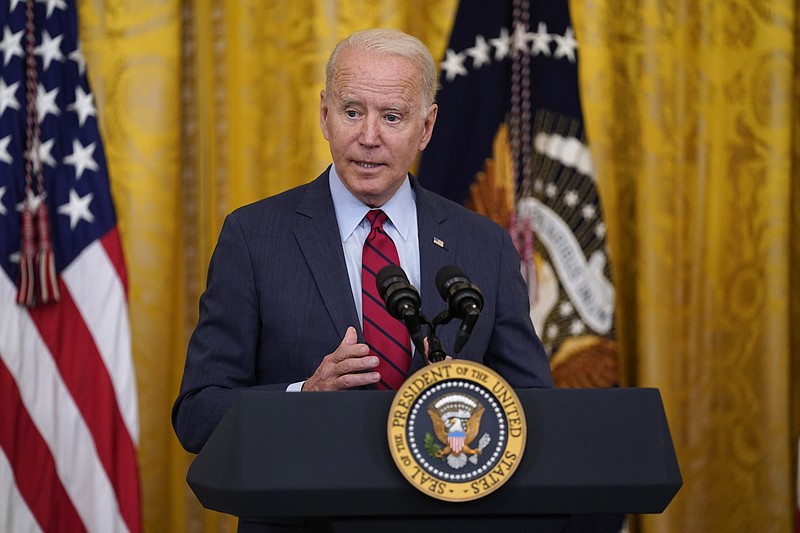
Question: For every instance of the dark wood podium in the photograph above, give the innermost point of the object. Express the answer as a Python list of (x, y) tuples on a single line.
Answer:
[(278, 454)]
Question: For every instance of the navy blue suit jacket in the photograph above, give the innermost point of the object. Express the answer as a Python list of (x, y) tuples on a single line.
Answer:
[(278, 300)]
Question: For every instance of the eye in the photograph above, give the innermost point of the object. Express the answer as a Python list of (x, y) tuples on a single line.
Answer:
[(351, 113), (392, 118)]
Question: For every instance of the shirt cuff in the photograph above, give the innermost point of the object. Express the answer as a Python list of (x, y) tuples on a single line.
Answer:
[(295, 387)]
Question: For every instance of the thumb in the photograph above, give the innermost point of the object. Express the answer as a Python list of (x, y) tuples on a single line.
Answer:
[(350, 337)]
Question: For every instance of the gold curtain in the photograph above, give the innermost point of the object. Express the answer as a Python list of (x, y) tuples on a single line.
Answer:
[(692, 116), (205, 106), (692, 112)]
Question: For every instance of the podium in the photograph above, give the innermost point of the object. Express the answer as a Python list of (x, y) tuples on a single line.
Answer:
[(325, 454)]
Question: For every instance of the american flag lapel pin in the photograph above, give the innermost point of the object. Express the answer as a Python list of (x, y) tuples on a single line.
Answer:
[(438, 242)]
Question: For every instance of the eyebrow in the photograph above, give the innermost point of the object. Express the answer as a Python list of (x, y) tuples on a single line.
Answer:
[(394, 107), (398, 108), (346, 101)]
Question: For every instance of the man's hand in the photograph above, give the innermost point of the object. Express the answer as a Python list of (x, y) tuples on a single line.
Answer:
[(344, 368)]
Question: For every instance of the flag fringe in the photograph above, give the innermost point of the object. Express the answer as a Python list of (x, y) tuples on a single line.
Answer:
[(48, 279), (38, 279)]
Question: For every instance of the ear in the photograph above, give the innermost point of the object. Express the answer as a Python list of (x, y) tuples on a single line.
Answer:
[(427, 126), (323, 114)]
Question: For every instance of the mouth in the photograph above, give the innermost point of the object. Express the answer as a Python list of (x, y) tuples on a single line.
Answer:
[(367, 164)]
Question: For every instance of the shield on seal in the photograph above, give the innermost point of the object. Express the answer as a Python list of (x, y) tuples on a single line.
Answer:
[(456, 436)]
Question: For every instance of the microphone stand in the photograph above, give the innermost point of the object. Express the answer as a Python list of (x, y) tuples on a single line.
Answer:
[(436, 351), (435, 348)]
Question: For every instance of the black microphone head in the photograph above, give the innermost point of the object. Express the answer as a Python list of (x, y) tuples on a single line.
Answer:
[(388, 275), (447, 276), (458, 291), (398, 294)]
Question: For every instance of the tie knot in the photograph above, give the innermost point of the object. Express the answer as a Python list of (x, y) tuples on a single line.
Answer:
[(376, 218)]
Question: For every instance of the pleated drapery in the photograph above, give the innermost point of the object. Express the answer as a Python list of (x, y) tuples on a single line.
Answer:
[(693, 118)]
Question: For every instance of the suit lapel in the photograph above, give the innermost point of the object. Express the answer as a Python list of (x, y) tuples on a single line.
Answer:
[(437, 248), (319, 239)]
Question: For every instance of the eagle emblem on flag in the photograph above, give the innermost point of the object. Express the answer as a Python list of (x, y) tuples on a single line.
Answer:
[(456, 420)]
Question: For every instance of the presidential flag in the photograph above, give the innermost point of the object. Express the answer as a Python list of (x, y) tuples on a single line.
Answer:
[(69, 419), (509, 142)]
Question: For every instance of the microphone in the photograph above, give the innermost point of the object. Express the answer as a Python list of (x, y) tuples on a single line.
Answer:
[(463, 298), (402, 300)]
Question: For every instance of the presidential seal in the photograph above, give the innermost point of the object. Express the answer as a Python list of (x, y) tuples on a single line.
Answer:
[(456, 430)]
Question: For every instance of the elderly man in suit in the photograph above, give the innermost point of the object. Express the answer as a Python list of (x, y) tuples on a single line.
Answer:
[(283, 305)]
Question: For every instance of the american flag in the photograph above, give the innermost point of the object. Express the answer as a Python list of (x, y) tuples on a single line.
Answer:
[(69, 416)]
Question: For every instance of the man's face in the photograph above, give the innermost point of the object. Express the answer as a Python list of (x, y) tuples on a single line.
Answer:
[(374, 123)]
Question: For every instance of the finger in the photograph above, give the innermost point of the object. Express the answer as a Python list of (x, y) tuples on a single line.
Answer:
[(349, 381), (349, 347), (357, 364)]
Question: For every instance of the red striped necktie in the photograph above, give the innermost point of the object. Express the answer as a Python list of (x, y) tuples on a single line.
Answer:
[(386, 336)]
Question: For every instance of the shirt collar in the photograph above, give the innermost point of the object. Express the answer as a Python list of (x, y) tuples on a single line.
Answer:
[(350, 211)]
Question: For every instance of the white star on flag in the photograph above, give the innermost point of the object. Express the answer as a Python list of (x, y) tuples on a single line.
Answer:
[(77, 208), (8, 98), (521, 38), (11, 45), (81, 158), (52, 5), (3, 210), (33, 201), (42, 154), (50, 49), (77, 57), (565, 45), (600, 230), (453, 65), (541, 41), (577, 327), (5, 157), (501, 44), (480, 52), (83, 105), (46, 102)]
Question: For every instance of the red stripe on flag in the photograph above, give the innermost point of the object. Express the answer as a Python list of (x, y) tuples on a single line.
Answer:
[(113, 247), (86, 377), (34, 468)]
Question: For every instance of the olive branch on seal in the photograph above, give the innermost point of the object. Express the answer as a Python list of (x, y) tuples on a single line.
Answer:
[(432, 445)]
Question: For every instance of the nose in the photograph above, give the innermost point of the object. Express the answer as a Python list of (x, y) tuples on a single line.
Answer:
[(370, 132)]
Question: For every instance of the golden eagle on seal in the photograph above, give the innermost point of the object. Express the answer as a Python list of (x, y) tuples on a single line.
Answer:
[(449, 417)]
